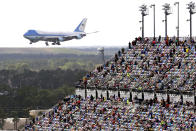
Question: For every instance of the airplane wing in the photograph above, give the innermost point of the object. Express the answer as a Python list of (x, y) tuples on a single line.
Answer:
[(60, 38)]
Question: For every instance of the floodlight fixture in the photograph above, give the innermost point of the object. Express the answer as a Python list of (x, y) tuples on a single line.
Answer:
[(167, 11), (191, 8), (144, 12), (178, 21)]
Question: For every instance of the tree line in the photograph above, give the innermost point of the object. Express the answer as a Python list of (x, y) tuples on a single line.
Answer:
[(34, 89), (48, 61)]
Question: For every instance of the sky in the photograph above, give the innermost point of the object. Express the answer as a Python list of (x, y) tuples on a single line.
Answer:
[(116, 20)]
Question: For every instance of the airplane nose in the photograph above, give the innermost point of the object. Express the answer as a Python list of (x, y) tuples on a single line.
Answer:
[(25, 35)]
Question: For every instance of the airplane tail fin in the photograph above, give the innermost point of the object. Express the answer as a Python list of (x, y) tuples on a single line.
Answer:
[(81, 26)]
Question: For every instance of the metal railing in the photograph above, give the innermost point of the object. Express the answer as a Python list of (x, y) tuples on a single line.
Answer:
[(173, 38)]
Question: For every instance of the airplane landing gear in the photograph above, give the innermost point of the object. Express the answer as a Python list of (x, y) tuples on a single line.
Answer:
[(31, 43), (47, 43), (58, 43), (53, 43)]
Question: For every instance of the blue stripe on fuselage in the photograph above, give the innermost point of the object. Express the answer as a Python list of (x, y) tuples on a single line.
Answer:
[(34, 33)]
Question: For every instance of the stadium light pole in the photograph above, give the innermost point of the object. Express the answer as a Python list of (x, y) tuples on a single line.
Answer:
[(194, 98), (178, 27), (143, 9), (153, 5), (191, 7), (166, 8)]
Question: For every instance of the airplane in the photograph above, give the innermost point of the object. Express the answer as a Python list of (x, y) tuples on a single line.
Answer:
[(56, 37)]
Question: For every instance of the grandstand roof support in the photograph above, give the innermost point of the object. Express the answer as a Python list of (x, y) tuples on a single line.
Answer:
[(96, 94), (85, 91), (155, 95), (130, 96), (118, 92), (108, 95)]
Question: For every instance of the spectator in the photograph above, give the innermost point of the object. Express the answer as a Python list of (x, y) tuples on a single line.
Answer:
[(115, 113)]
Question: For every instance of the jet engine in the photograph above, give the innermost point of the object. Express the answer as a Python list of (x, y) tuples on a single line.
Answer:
[(61, 39), (79, 37)]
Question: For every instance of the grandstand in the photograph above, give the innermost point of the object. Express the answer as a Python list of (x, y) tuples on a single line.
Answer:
[(76, 113), (164, 65)]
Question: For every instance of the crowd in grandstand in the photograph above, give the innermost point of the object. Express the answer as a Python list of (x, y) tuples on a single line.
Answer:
[(149, 65), (146, 65), (76, 113)]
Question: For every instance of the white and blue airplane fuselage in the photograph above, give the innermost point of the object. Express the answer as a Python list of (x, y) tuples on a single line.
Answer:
[(56, 37)]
